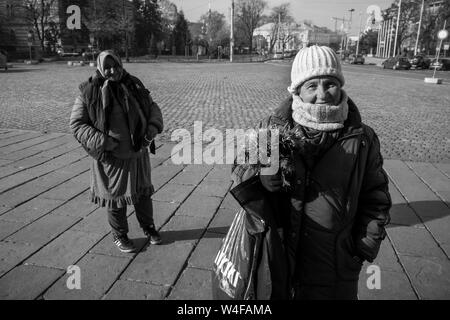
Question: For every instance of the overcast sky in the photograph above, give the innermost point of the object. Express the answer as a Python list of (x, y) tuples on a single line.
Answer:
[(319, 11)]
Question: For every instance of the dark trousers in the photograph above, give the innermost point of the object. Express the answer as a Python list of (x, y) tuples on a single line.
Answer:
[(117, 217)]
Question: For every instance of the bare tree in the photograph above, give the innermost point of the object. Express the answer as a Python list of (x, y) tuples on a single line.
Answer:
[(39, 14), (125, 25), (433, 21), (52, 35), (108, 22), (215, 30), (281, 29), (409, 14), (249, 14)]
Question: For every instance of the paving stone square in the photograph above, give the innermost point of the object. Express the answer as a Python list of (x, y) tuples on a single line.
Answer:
[(208, 247), (98, 273), (33, 282), (64, 251), (135, 290), (47, 221), (194, 284)]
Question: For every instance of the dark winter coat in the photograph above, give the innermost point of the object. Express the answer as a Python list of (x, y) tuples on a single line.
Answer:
[(337, 212), (89, 120)]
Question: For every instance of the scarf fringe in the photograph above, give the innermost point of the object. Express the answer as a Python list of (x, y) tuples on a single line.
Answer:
[(121, 201)]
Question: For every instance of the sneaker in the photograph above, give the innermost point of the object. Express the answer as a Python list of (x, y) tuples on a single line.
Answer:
[(124, 244), (152, 234)]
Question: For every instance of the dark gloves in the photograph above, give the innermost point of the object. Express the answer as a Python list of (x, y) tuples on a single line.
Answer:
[(152, 131), (111, 143)]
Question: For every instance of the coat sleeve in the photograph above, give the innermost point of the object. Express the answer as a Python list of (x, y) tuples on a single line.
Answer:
[(92, 140), (374, 204), (155, 118)]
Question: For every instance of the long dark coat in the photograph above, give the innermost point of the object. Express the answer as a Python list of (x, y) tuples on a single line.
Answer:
[(337, 212)]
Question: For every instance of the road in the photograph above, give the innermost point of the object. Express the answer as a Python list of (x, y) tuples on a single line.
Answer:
[(376, 70), (400, 74)]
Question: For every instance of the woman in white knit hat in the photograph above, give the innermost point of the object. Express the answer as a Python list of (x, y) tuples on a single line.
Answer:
[(339, 204)]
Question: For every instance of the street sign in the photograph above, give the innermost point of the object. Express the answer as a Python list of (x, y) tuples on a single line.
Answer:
[(446, 46), (443, 34)]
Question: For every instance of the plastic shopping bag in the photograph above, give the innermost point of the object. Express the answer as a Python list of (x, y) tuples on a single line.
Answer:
[(235, 265)]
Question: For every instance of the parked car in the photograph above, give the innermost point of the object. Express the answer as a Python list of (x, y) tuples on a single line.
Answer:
[(440, 64), (396, 63), (3, 60), (355, 59), (419, 62)]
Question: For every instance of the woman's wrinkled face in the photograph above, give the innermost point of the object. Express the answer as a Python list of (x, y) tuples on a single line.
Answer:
[(111, 69), (321, 90)]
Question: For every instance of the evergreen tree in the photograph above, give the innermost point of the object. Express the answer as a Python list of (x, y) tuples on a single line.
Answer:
[(148, 26), (249, 15), (368, 42), (181, 35)]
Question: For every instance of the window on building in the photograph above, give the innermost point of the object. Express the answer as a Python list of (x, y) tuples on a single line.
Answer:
[(9, 10), (435, 6)]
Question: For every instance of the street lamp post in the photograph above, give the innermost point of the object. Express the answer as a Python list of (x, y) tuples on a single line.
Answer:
[(30, 42), (349, 28), (359, 33), (125, 28), (396, 28), (232, 32), (443, 34), (420, 25)]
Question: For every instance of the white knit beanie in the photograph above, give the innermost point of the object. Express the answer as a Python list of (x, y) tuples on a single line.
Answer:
[(312, 62)]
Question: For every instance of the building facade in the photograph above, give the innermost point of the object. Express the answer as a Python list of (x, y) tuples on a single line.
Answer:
[(19, 35), (293, 37), (16, 30)]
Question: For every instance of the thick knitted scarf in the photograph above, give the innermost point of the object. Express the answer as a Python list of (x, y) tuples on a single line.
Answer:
[(320, 117), (117, 90)]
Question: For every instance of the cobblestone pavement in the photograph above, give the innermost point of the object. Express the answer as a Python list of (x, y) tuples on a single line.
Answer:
[(410, 117), (47, 225)]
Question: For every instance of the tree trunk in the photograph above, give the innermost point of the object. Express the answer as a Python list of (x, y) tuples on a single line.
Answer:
[(41, 31), (127, 58)]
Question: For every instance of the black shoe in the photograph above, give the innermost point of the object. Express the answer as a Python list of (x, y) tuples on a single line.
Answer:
[(152, 234), (124, 244)]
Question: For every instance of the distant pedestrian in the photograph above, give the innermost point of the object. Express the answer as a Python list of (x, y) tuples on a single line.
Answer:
[(115, 120), (338, 202)]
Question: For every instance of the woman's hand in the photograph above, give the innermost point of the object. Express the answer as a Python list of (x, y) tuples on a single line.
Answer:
[(111, 144), (152, 131), (273, 183)]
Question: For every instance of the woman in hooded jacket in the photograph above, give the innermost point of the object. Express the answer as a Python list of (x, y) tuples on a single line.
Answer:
[(115, 120), (339, 203)]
